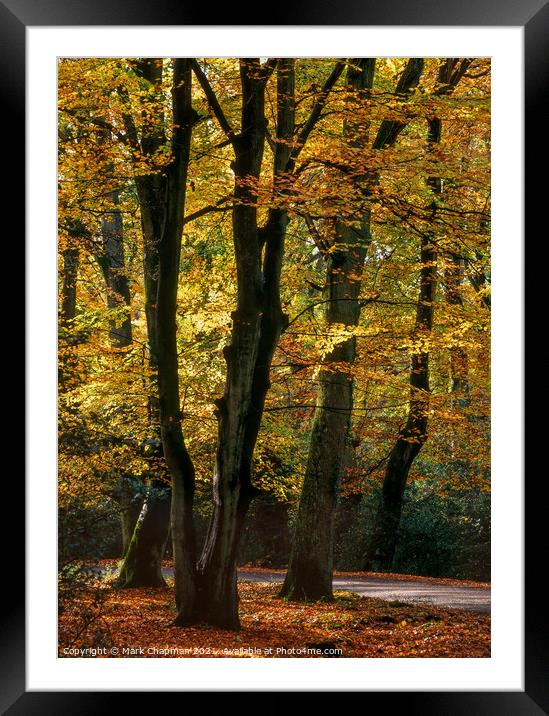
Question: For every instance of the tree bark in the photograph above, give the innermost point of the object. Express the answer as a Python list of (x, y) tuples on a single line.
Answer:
[(310, 568), (76, 234), (142, 565), (459, 383), (112, 264), (68, 361), (144, 522), (169, 248), (130, 508), (256, 325), (70, 275), (151, 192), (154, 518)]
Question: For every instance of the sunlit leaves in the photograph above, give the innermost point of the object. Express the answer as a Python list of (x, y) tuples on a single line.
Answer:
[(103, 101)]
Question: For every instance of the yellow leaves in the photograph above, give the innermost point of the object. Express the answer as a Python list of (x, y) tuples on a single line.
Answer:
[(335, 181), (417, 345)]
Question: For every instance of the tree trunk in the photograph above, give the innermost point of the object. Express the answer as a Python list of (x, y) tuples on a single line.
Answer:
[(70, 275), (144, 550), (169, 248), (309, 575), (139, 566), (147, 522), (142, 566), (145, 533), (459, 383), (414, 434), (76, 233), (257, 322), (154, 518), (129, 503), (68, 361), (112, 264), (67, 368), (143, 556), (150, 191), (310, 567), (233, 491), (129, 514)]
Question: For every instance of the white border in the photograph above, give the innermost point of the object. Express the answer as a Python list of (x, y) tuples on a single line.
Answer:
[(504, 670)]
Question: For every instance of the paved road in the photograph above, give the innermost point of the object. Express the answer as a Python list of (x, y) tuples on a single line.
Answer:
[(475, 599)]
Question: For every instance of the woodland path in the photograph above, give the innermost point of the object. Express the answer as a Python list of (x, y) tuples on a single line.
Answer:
[(473, 598)]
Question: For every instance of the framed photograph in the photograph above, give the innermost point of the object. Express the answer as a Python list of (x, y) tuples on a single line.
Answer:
[(511, 41)]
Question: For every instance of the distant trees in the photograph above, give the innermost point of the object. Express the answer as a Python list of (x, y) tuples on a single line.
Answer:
[(414, 434)]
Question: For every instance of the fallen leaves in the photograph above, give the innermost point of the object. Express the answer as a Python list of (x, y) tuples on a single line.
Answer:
[(138, 623)]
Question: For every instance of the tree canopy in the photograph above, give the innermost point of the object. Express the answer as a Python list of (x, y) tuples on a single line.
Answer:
[(234, 237)]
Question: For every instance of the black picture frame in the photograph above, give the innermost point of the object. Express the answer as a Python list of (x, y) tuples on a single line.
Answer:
[(533, 16)]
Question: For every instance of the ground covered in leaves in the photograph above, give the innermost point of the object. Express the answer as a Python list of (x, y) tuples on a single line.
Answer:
[(137, 623)]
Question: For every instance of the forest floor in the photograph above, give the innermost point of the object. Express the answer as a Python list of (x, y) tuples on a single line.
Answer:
[(137, 623), (440, 592)]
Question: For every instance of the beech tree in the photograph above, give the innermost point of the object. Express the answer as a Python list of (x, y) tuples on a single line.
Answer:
[(310, 567), (414, 434), (142, 564), (255, 243), (256, 325)]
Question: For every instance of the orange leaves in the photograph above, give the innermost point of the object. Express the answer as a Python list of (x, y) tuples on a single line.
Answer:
[(338, 178), (140, 620)]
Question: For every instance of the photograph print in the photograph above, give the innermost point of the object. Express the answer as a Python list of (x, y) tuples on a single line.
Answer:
[(274, 357)]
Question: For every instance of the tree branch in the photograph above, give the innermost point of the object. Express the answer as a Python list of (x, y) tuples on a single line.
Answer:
[(363, 302), (268, 67), (212, 100), (317, 108), (390, 129), (206, 210)]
